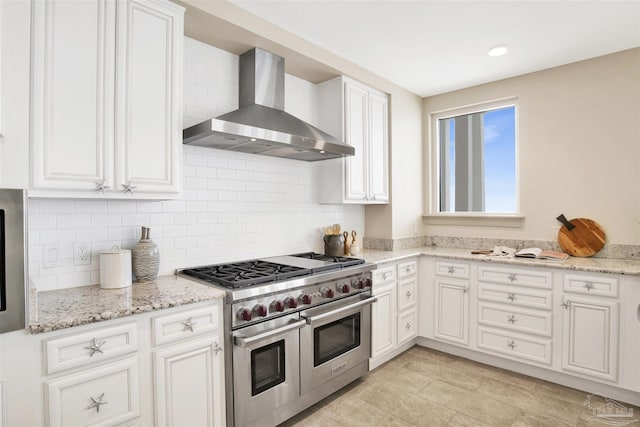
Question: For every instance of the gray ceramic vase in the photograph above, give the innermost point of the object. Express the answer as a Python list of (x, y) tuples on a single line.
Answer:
[(145, 258)]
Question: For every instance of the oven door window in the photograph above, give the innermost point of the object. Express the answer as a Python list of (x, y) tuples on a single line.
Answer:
[(267, 367), (335, 338)]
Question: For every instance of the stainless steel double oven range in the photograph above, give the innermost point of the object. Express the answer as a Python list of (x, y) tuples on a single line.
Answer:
[(297, 328)]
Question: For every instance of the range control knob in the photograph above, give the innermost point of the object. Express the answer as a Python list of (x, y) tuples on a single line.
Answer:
[(357, 283), (305, 299), (327, 292), (244, 314), (290, 302), (367, 282), (343, 288), (276, 305), (260, 310)]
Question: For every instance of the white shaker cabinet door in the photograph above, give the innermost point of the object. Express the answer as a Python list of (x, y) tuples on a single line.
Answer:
[(383, 318), (590, 339), (72, 92), (356, 129), (189, 384), (148, 99), (378, 147), (452, 311)]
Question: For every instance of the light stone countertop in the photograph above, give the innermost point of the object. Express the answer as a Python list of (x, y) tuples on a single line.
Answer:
[(66, 308), (594, 265)]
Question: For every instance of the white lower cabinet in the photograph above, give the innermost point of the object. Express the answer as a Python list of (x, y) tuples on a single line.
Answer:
[(394, 320), (383, 320), (112, 373), (189, 369), (452, 311), (186, 389), (105, 395), (590, 337)]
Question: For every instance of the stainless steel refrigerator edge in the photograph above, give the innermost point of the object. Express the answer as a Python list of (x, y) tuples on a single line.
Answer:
[(13, 255)]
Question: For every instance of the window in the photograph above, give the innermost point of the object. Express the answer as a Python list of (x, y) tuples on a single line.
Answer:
[(474, 154)]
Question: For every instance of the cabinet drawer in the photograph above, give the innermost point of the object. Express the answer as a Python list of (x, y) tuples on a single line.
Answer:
[(515, 345), (512, 276), (533, 322), (384, 275), (451, 269), (408, 268), (407, 290), (513, 295), (186, 324), (590, 285), (104, 396), (407, 326), (92, 346)]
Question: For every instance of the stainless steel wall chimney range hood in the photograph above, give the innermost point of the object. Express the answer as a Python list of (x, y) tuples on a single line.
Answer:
[(260, 125)]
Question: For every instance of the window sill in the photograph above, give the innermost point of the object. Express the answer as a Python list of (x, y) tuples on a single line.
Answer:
[(475, 219)]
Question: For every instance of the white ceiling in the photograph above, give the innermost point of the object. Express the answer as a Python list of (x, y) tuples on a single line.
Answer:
[(431, 47)]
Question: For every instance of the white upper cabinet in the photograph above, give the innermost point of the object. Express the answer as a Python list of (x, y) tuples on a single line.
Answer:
[(107, 79), (360, 115), (15, 26)]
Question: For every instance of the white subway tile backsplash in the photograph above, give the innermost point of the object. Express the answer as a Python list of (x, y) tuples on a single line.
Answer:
[(234, 206)]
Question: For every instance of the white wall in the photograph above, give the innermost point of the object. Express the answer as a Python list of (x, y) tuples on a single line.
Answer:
[(234, 206), (579, 142)]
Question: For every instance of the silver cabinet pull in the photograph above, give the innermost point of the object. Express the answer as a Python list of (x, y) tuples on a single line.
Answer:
[(566, 304), (511, 319), (384, 276), (95, 347), (189, 324), (512, 278), (588, 285), (408, 294), (408, 326), (451, 270), (97, 402), (216, 348), (511, 344), (128, 188), (100, 186), (511, 297), (465, 290), (408, 270)]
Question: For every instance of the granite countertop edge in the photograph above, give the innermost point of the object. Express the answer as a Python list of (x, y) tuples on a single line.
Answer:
[(594, 265), (66, 308)]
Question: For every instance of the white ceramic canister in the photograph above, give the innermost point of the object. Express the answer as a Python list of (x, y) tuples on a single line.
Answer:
[(115, 268)]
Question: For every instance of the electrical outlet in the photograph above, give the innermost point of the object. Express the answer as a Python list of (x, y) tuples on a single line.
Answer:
[(81, 254)]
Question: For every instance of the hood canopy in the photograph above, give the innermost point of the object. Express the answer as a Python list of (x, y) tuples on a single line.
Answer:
[(260, 125)]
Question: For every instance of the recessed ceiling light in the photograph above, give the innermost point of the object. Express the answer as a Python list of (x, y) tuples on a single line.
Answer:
[(498, 50)]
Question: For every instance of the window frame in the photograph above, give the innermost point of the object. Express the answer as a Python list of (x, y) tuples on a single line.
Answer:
[(432, 209)]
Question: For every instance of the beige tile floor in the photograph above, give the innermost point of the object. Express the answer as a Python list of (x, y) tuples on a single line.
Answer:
[(424, 387)]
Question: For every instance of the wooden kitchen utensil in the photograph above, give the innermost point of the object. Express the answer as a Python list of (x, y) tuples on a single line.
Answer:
[(580, 237), (346, 242)]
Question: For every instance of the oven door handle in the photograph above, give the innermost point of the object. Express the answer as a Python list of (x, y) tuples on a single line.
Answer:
[(243, 341), (311, 320)]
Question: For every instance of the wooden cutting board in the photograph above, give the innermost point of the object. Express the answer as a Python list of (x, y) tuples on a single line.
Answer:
[(585, 238)]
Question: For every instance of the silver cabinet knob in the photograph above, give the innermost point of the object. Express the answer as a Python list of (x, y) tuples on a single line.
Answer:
[(566, 304), (95, 347), (588, 285), (511, 344), (128, 188), (97, 402), (465, 290), (189, 324), (408, 294), (512, 277), (216, 348), (451, 270), (511, 319), (408, 270), (408, 326), (384, 276), (511, 297), (100, 186)]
